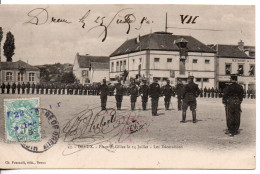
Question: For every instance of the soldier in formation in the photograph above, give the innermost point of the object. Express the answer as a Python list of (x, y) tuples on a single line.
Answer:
[(8, 86), (3, 87), (18, 87), (144, 92), (190, 93), (154, 93), (13, 88), (119, 94), (133, 90), (103, 94), (167, 91), (232, 99)]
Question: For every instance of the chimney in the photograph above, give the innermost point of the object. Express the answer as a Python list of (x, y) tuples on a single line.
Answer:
[(241, 45)]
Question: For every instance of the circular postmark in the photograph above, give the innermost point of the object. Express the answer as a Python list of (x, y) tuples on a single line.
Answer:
[(50, 132)]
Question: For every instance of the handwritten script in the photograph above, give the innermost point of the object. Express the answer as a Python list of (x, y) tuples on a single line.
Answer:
[(125, 16), (87, 128)]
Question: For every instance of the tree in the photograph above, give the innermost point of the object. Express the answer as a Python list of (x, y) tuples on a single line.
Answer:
[(9, 47), (1, 37), (68, 77)]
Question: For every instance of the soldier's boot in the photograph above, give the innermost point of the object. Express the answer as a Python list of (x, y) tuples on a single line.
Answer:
[(183, 117), (194, 120)]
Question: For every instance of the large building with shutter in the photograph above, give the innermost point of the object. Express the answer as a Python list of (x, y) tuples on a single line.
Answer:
[(162, 56)]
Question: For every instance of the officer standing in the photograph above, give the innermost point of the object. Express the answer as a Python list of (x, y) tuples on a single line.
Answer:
[(232, 99), (23, 88), (167, 92), (28, 88), (3, 88), (144, 91), (154, 92), (179, 91), (119, 94), (190, 92), (133, 90), (18, 87), (33, 87), (103, 94), (8, 86), (205, 92), (13, 88)]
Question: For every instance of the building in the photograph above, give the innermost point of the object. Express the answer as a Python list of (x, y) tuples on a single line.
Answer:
[(19, 72), (235, 59), (162, 56), (91, 69)]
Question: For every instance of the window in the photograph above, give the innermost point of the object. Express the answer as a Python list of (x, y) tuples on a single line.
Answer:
[(112, 67), (195, 61), (207, 61), (198, 79), (84, 73), (124, 65), (9, 76), (140, 59), (117, 66), (31, 77), (252, 70), (156, 59), (169, 59), (228, 69), (240, 70), (205, 80), (19, 77)]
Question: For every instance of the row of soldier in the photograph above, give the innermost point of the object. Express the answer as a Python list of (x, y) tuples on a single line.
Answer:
[(78, 89)]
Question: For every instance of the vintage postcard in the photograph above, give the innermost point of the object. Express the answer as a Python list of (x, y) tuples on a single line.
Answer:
[(127, 86)]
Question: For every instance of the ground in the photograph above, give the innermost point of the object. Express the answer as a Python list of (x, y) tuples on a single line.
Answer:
[(208, 133)]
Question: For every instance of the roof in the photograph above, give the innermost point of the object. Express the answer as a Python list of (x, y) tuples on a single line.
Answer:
[(99, 62), (161, 41), (17, 65), (230, 51)]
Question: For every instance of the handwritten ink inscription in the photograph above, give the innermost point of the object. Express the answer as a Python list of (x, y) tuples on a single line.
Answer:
[(188, 19), (126, 16)]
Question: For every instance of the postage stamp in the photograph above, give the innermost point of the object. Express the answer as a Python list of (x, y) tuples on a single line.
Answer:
[(22, 120)]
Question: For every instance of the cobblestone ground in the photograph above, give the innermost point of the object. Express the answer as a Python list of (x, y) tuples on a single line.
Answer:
[(207, 133)]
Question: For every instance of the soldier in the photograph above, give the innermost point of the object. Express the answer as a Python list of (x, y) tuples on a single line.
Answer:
[(13, 88), (154, 93), (216, 92), (18, 87), (33, 87), (47, 87), (201, 92), (3, 88), (28, 88), (8, 86), (55, 89), (209, 91), (103, 94), (167, 92), (212, 92), (244, 96), (38, 88), (119, 94), (23, 88), (190, 92), (220, 92), (205, 92), (144, 91), (179, 89), (42, 88), (232, 99), (133, 90), (248, 93)]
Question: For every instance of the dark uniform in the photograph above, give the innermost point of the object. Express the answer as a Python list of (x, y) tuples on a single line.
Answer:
[(18, 87), (103, 94), (167, 92), (28, 88), (232, 99), (13, 88), (179, 91), (33, 88), (216, 92), (119, 95), (190, 92), (42, 88), (201, 92), (23, 88), (133, 90), (3, 88), (38, 86), (205, 92), (154, 92), (8, 86), (144, 91)]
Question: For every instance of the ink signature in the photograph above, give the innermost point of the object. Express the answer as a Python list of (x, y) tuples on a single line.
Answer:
[(125, 16), (87, 128)]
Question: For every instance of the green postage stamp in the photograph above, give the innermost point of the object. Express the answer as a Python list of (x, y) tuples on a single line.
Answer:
[(22, 120)]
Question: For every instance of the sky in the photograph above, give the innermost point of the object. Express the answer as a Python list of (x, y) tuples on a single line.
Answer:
[(49, 42)]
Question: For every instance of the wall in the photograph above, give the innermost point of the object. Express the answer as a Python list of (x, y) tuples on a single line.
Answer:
[(25, 76)]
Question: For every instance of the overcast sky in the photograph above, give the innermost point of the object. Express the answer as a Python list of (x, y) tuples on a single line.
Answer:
[(59, 42)]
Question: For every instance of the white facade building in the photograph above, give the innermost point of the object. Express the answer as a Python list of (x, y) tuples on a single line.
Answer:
[(157, 56)]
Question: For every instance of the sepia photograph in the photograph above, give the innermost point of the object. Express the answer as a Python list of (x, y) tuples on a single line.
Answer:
[(133, 86)]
